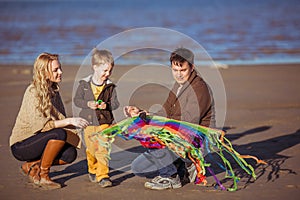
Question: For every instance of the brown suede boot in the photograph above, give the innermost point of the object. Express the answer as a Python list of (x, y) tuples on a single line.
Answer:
[(32, 170), (53, 147), (59, 162)]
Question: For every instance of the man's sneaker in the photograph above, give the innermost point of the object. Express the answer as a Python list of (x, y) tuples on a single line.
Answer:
[(192, 172), (92, 177), (156, 179), (161, 183), (105, 182)]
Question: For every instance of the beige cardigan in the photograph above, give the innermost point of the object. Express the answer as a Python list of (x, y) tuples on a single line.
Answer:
[(30, 120)]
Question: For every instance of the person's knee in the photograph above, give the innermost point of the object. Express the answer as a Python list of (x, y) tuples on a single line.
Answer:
[(69, 155), (142, 166), (60, 134), (143, 171), (135, 167)]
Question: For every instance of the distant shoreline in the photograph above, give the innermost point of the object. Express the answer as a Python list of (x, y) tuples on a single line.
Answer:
[(133, 65)]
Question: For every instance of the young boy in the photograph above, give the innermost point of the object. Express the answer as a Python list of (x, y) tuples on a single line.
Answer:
[(96, 96)]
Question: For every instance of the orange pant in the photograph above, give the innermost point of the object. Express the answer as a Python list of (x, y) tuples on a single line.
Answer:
[(96, 151)]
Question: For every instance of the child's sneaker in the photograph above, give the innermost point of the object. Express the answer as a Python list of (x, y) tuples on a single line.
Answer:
[(92, 177), (105, 182)]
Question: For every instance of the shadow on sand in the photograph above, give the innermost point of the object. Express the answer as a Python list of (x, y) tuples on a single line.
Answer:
[(120, 165), (267, 150)]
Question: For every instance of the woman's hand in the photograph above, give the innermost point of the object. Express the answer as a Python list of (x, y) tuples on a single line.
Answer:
[(71, 121), (78, 122)]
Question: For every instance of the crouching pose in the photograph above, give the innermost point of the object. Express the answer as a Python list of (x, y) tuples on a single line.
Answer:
[(41, 131)]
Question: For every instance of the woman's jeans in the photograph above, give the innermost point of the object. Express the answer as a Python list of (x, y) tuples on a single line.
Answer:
[(32, 148)]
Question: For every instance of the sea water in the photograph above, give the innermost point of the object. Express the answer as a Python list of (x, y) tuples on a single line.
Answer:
[(231, 31)]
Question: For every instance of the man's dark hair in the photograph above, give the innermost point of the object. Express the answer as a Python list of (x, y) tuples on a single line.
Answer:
[(181, 55)]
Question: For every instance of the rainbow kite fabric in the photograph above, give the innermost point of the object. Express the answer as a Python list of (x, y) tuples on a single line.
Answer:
[(186, 140)]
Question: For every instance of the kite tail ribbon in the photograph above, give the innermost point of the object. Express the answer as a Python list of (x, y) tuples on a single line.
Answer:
[(185, 139)]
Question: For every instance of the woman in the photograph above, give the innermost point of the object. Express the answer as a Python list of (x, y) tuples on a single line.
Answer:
[(40, 131)]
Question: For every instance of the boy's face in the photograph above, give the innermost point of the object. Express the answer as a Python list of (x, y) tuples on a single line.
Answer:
[(102, 71)]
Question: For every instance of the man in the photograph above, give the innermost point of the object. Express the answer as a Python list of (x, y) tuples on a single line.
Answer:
[(189, 100)]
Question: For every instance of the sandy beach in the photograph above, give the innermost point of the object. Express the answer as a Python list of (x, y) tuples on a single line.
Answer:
[(262, 119)]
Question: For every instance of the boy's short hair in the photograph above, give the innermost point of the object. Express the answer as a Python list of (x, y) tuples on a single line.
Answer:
[(102, 56), (181, 55)]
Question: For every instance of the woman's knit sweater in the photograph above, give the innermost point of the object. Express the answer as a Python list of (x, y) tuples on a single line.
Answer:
[(30, 120)]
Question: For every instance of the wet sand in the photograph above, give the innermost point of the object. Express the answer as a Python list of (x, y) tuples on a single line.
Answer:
[(262, 119)]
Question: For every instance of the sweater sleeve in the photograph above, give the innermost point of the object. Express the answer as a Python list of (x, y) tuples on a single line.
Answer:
[(48, 126), (29, 120)]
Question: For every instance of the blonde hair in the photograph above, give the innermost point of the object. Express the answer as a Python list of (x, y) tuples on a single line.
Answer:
[(45, 89), (102, 56)]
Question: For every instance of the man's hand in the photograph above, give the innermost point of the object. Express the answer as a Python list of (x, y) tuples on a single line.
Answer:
[(133, 111)]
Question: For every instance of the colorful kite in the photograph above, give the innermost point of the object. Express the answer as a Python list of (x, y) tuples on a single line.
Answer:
[(186, 140)]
